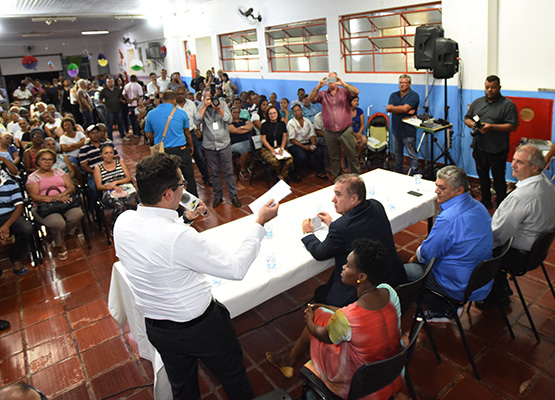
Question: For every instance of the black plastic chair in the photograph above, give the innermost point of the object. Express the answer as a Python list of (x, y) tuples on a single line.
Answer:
[(536, 257), (484, 273), (412, 293), (369, 377)]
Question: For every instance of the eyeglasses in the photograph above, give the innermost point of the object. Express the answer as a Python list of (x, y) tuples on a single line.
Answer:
[(47, 159)]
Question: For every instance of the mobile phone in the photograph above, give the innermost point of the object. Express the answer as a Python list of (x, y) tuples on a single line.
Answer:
[(331, 79), (417, 194)]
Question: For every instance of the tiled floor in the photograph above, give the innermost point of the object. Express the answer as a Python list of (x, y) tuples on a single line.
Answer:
[(64, 341)]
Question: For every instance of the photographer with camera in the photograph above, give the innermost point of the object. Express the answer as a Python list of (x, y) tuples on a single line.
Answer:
[(336, 115), (492, 119), (215, 117)]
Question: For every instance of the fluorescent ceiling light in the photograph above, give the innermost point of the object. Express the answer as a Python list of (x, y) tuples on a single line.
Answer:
[(35, 34), (131, 17), (54, 19), (95, 32)]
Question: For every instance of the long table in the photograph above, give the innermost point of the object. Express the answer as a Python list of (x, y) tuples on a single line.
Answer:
[(294, 264)]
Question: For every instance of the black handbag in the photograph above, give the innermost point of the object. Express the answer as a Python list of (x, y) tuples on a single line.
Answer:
[(44, 209)]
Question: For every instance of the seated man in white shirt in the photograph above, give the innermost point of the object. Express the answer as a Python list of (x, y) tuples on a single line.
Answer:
[(525, 213), (52, 126), (165, 261)]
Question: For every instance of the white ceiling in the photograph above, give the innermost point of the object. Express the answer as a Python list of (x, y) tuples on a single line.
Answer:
[(89, 15)]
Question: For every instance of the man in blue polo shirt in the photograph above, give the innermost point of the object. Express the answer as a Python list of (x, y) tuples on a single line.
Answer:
[(11, 220), (460, 239), (402, 104), (178, 139)]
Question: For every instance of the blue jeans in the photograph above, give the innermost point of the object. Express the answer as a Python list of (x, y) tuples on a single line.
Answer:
[(302, 156), (398, 147), (112, 117)]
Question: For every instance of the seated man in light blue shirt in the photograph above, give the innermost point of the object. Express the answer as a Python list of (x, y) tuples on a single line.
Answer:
[(460, 239), (310, 110)]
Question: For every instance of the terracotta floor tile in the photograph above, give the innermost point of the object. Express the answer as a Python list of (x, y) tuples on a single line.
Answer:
[(40, 294), (143, 394), (11, 344), (531, 288), (275, 306), (103, 271), (15, 323), (67, 270), (34, 279), (95, 333), (304, 292), (59, 377), (79, 392), (105, 285), (429, 377), (547, 300), (105, 355), (76, 282), (260, 384), (405, 237), (88, 313), (83, 296), (7, 289), (525, 348), (420, 229), (541, 318), (147, 366), (101, 259), (51, 352), (504, 373), (291, 325), (543, 389), (12, 368), (469, 388), (113, 381), (247, 321), (10, 305), (42, 311), (256, 343), (46, 330)]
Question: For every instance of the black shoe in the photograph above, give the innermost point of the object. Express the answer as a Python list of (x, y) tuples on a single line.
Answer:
[(488, 304), (217, 202), (207, 182), (236, 202), (4, 325)]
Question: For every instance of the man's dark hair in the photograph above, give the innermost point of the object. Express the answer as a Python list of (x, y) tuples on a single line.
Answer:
[(493, 78), (226, 75), (299, 89), (168, 96), (353, 185), (296, 105), (371, 258), (155, 174), (71, 120), (133, 78), (152, 73)]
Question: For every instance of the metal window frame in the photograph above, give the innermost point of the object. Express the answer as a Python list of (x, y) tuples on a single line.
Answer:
[(406, 48), (289, 53), (242, 35)]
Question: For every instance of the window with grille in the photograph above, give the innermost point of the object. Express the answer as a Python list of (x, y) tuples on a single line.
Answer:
[(239, 51), (383, 41), (298, 47)]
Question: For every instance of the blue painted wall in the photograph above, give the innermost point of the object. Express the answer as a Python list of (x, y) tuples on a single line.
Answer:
[(377, 94)]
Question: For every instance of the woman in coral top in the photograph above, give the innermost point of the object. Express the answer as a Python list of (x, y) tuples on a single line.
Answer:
[(368, 330)]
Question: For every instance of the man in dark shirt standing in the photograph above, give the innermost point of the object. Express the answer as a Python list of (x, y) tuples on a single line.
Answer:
[(402, 104), (111, 97), (197, 80), (493, 118)]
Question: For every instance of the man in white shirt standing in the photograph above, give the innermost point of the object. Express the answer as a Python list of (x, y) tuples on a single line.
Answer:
[(132, 92), (153, 85), (525, 214), (163, 81), (165, 261)]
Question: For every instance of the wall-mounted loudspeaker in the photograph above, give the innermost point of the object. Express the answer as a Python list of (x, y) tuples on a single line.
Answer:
[(424, 40), (445, 61)]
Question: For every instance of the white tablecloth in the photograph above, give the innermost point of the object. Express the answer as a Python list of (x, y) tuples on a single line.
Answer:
[(294, 264)]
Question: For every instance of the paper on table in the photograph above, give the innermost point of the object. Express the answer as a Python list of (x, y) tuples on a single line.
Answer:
[(277, 192), (285, 154)]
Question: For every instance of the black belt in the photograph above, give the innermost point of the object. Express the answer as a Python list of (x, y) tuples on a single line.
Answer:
[(164, 323)]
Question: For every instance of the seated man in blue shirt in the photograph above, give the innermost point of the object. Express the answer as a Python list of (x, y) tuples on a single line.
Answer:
[(460, 239)]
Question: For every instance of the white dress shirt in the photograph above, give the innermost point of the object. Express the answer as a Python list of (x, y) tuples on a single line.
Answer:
[(301, 133), (165, 262), (525, 213), (190, 108)]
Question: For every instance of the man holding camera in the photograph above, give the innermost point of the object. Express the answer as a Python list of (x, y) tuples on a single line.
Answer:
[(336, 114), (215, 118), (492, 119)]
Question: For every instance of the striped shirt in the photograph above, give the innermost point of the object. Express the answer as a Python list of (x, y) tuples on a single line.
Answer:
[(10, 196), (91, 154), (110, 176)]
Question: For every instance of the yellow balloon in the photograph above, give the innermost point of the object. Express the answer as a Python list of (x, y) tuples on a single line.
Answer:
[(103, 62)]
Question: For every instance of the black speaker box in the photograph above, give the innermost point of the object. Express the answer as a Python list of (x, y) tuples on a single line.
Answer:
[(446, 58), (424, 45)]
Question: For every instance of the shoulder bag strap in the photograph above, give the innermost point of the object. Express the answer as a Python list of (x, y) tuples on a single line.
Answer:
[(168, 124)]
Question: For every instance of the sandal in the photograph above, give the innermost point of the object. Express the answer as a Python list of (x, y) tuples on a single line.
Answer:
[(244, 175), (22, 270), (62, 256), (285, 370)]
